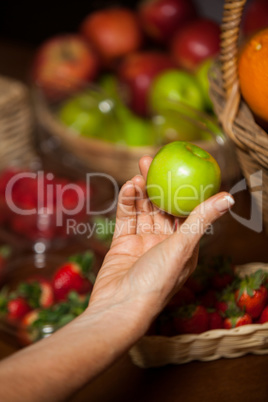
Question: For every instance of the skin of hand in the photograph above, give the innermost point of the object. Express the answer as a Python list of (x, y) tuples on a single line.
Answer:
[(151, 256), (152, 253)]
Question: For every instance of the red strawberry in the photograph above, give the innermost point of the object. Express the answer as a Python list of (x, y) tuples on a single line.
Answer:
[(252, 295), (264, 316), (237, 321), (226, 301), (26, 333), (37, 291), (17, 308), (215, 320), (191, 319), (182, 297), (73, 276)]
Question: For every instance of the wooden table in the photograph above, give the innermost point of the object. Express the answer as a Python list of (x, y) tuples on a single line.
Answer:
[(241, 379)]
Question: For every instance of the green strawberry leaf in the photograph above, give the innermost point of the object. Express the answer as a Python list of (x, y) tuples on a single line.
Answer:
[(85, 261), (31, 292)]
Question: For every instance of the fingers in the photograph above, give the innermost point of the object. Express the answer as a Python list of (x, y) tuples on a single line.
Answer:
[(163, 223), (126, 211), (143, 207), (144, 165), (193, 228)]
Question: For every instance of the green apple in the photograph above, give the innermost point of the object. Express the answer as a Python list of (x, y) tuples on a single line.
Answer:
[(202, 78), (138, 132), (173, 87), (81, 114), (173, 127), (181, 176), (90, 114)]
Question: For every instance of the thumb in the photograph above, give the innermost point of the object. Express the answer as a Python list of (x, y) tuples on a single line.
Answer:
[(192, 229)]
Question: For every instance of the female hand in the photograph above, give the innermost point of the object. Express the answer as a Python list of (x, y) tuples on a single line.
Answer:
[(152, 253)]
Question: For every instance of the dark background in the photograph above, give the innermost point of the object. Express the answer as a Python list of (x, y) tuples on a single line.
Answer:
[(33, 22)]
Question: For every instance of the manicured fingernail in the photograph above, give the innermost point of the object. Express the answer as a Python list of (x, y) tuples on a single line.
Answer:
[(224, 203)]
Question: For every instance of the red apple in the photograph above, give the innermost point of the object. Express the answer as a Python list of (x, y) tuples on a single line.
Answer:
[(161, 18), (136, 74), (114, 32), (197, 41), (255, 17), (62, 64)]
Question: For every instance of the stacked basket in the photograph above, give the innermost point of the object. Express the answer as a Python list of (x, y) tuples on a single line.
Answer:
[(16, 124), (251, 141)]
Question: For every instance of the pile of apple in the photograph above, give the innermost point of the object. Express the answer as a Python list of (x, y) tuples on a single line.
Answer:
[(126, 75)]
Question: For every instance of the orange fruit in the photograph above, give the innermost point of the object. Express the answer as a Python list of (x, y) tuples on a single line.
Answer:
[(253, 73)]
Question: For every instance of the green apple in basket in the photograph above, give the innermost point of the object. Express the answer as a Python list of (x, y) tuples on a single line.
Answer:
[(134, 130), (90, 114), (174, 97)]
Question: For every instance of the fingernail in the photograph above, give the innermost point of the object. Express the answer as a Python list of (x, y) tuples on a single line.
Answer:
[(224, 203)]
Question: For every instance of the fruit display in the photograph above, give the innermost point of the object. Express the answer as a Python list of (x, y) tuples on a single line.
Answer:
[(215, 297), (140, 71), (37, 205), (181, 176), (36, 306)]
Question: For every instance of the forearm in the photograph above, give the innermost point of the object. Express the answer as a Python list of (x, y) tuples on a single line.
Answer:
[(55, 367)]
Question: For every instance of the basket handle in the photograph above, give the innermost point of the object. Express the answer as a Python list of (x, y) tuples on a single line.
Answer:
[(232, 14)]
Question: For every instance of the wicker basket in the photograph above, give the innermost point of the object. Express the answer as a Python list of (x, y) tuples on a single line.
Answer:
[(251, 141), (155, 351), (16, 124), (121, 161)]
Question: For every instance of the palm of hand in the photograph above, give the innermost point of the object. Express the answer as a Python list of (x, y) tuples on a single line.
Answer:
[(139, 227)]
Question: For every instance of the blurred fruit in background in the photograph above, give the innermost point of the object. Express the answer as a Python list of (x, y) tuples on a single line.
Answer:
[(255, 16), (252, 71), (202, 74), (113, 32), (63, 63), (38, 204), (195, 42), (161, 18), (136, 73), (175, 86), (154, 60)]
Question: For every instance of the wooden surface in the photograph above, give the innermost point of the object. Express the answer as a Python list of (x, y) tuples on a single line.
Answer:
[(241, 379)]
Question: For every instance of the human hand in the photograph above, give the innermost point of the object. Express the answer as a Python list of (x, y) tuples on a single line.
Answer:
[(152, 253)]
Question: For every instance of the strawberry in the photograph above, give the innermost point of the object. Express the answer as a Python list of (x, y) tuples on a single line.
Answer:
[(38, 292), (73, 275), (237, 321), (215, 320), (17, 308), (226, 301), (27, 334), (191, 319), (264, 316), (252, 295), (41, 323)]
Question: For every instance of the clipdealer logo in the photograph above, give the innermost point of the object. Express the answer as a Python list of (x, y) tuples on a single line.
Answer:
[(45, 195)]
